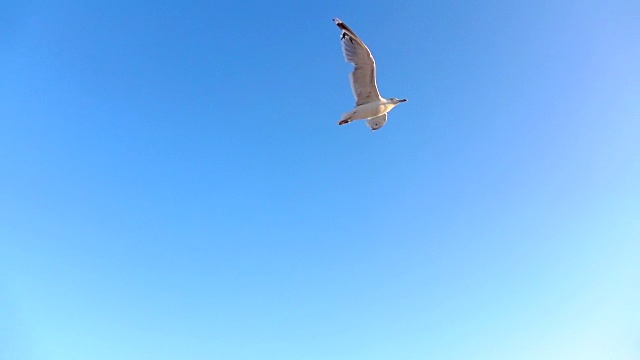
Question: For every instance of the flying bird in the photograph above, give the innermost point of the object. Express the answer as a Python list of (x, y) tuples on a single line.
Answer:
[(369, 104)]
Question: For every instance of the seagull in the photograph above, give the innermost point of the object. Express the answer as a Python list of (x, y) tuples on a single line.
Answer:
[(369, 104)]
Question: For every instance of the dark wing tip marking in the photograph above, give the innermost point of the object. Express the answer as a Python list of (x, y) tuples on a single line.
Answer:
[(346, 35), (344, 27)]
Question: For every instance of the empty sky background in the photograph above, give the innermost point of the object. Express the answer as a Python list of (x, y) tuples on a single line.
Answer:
[(174, 184)]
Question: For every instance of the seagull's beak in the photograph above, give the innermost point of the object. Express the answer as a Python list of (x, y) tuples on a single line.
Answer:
[(402, 100)]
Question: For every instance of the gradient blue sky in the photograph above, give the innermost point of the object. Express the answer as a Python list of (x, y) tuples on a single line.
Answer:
[(174, 184)]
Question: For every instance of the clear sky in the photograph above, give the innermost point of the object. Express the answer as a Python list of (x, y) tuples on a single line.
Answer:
[(175, 184)]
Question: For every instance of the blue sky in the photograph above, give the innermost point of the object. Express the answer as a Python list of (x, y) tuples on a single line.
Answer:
[(175, 185)]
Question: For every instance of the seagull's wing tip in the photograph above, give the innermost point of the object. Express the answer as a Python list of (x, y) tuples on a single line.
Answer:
[(336, 20)]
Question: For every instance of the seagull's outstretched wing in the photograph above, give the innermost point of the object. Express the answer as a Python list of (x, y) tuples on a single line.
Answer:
[(377, 122), (363, 77)]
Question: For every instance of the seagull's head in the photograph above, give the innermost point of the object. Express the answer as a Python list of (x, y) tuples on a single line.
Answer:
[(397, 101)]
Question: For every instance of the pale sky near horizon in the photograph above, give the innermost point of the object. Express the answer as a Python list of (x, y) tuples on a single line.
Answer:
[(175, 184)]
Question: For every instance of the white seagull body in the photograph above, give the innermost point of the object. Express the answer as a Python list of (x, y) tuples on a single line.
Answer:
[(369, 104)]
